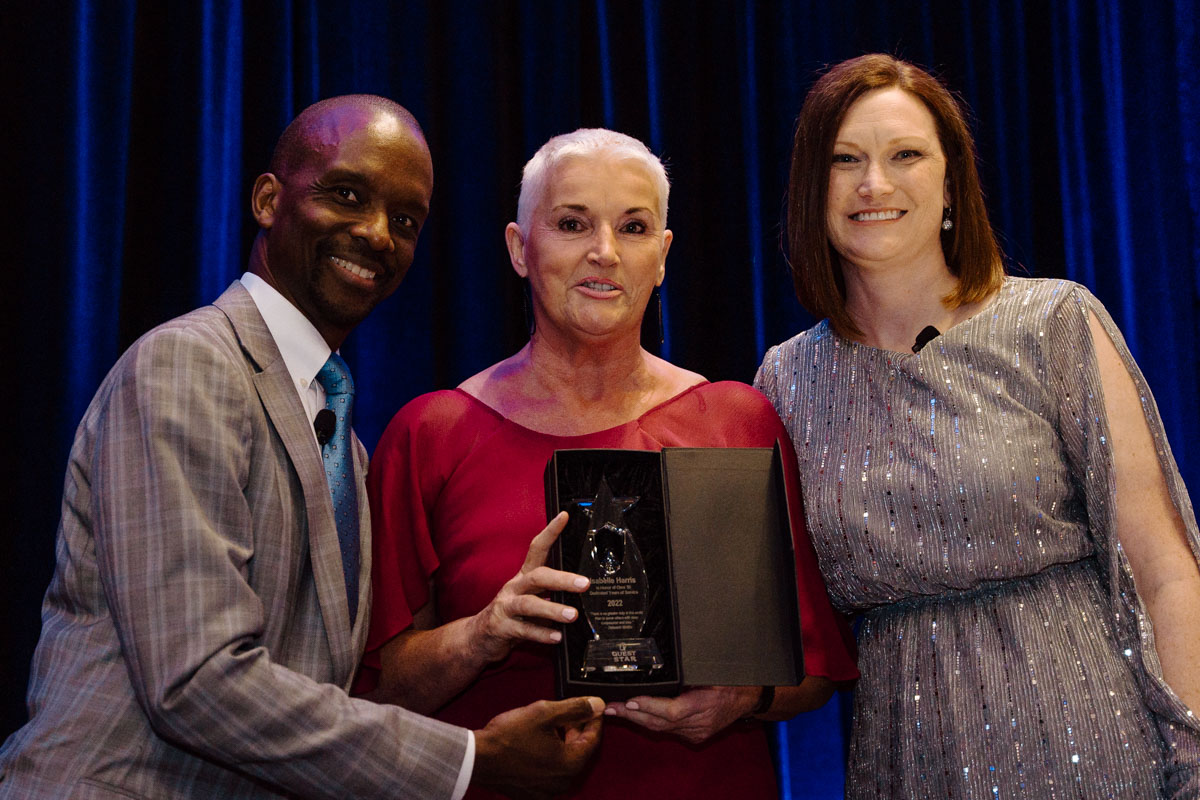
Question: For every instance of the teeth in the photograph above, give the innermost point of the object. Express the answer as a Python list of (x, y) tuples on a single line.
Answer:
[(599, 287), (876, 216), (352, 268)]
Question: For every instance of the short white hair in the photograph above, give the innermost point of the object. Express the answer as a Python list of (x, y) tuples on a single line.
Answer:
[(586, 143)]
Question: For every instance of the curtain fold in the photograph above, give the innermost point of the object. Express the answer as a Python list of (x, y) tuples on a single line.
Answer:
[(98, 158), (221, 201), (138, 129)]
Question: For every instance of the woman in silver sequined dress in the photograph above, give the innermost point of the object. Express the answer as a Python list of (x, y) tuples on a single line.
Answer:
[(997, 500)]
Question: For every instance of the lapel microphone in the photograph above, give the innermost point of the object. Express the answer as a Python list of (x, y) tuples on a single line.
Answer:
[(927, 335), (323, 424)]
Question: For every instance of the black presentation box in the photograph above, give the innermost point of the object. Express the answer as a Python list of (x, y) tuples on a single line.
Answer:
[(714, 535)]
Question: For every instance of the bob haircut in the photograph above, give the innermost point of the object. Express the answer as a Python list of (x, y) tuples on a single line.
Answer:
[(586, 143), (970, 247)]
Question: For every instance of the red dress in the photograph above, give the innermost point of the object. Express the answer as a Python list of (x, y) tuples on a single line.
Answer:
[(457, 494)]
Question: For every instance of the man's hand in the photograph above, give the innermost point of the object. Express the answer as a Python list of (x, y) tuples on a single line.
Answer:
[(518, 612), (693, 716), (534, 751)]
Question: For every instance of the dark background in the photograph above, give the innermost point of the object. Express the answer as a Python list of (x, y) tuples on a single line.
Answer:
[(134, 130)]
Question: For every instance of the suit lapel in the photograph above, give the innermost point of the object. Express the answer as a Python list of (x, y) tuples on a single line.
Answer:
[(283, 408), (364, 548)]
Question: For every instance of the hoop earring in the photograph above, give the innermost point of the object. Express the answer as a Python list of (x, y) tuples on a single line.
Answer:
[(947, 223)]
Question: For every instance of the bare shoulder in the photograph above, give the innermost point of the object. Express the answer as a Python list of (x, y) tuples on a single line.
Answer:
[(497, 385), (671, 379), (477, 383)]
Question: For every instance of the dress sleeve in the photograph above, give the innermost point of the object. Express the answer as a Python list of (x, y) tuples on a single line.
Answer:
[(828, 643), (829, 649), (1073, 378), (766, 380), (403, 484)]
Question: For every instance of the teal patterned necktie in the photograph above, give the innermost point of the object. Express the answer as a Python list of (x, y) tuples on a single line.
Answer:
[(338, 455)]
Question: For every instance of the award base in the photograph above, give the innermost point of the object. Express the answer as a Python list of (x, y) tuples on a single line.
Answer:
[(621, 655)]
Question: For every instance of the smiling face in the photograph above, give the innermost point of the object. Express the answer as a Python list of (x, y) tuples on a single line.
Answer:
[(887, 183), (594, 248), (341, 220)]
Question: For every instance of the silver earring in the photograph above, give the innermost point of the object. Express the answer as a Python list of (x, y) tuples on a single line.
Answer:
[(947, 223)]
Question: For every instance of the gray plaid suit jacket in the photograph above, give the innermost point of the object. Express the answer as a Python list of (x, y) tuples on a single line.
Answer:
[(195, 636)]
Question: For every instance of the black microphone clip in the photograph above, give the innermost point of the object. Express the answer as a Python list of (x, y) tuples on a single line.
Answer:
[(927, 335), (323, 424)]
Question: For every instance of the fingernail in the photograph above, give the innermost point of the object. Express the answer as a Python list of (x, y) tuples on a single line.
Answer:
[(610, 712), (582, 582), (569, 614), (632, 706), (555, 636)]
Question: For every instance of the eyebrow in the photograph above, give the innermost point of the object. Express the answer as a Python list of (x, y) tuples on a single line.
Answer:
[(582, 207), (348, 175), (894, 140), (342, 174)]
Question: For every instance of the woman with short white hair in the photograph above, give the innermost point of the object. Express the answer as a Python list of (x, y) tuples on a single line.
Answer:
[(456, 491)]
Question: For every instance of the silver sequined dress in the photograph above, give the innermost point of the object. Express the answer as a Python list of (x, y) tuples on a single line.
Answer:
[(961, 500)]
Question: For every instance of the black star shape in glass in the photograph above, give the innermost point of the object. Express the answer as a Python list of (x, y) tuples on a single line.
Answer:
[(604, 509)]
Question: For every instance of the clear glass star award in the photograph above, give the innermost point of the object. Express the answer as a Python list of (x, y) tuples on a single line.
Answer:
[(616, 602)]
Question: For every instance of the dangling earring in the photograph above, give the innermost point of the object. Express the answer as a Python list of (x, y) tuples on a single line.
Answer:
[(527, 305), (947, 223), (658, 302)]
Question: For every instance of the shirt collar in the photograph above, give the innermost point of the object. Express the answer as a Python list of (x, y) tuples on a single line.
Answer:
[(304, 350)]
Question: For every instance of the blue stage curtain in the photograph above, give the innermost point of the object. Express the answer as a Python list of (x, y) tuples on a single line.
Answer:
[(136, 129)]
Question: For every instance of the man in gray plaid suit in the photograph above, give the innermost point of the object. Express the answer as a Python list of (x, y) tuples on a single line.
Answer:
[(196, 637)]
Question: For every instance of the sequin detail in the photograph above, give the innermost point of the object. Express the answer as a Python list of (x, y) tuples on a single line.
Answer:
[(1003, 647)]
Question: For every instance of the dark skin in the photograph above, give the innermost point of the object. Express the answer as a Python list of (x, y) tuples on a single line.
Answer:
[(340, 220), (339, 215)]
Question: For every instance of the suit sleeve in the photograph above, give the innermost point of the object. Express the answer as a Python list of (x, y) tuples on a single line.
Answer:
[(177, 463)]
